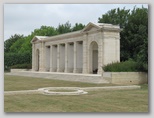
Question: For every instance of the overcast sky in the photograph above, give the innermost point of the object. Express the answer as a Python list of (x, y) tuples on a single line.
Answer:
[(24, 18)]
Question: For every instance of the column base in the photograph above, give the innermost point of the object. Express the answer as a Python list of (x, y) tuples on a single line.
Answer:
[(33, 69), (99, 71), (51, 70), (42, 70), (84, 71), (65, 71), (58, 70), (74, 71)]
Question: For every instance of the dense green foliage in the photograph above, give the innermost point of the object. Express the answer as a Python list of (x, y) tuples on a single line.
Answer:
[(22, 66), (127, 66), (11, 59), (116, 17), (9, 42), (134, 34), (64, 28), (78, 26)]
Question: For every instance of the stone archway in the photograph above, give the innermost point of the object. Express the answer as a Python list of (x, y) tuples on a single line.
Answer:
[(37, 59), (93, 63)]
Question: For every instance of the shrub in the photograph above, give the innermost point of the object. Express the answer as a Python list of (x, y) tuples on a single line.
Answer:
[(22, 66), (11, 59), (127, 66)]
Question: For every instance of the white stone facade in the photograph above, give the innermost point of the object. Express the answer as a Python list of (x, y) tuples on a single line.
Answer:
[(84, 51)]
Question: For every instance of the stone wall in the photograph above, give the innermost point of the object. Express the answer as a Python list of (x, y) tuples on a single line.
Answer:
[(126, 77)]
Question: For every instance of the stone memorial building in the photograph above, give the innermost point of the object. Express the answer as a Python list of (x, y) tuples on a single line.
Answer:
[(84, 51)]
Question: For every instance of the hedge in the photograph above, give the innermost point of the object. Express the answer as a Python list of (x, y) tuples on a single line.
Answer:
[(11, 59), (127, 66), (22, 66)]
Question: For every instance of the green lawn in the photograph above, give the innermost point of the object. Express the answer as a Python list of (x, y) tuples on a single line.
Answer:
[(94, 101), (13, 83)]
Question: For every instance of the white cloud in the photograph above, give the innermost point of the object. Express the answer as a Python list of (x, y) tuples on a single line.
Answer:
[(24, 18)]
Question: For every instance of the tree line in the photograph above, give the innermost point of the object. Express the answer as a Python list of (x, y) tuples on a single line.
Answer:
[(134, 34), (133, 37), (18, 48)]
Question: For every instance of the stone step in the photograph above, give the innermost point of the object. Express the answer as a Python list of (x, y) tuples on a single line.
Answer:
[(88, 78)]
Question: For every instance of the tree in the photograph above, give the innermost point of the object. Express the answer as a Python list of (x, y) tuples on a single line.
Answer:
[(134, 37), (78, 26), (116, 17), (44, 31), (64, 28), (142, 57), (9, 42), (136, 32), (138, 36), (18, 45)]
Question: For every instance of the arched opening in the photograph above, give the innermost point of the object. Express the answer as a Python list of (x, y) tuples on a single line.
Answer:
[(93, 58), (37, 59)]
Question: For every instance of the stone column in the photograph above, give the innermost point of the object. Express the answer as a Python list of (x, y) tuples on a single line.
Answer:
[(75, 52), (84, 68), (103, 53), (51, 58), (103, 47), (42, 57), (47, 58), (58, 58), (54, 58), (33, 57), (66, 58), (99, 58), (62, 57)]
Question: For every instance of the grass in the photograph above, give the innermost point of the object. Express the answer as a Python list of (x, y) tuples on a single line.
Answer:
[(94, 101), (13, 83)]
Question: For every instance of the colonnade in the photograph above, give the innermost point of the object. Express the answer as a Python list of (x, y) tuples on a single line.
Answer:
[(64, 57), (84, 51), (68, 57)]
